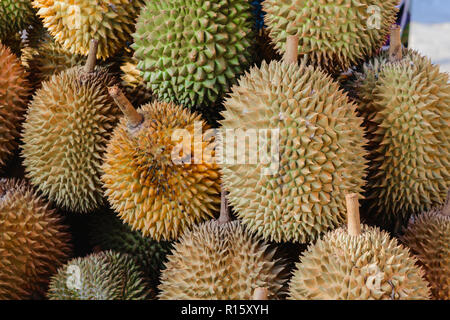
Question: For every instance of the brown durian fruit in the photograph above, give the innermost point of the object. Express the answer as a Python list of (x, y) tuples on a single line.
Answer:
[(67, 127), (33, 241), (14, 94), (133, 83), (220, 260), (428, 237), (149, 190), (358, 263)]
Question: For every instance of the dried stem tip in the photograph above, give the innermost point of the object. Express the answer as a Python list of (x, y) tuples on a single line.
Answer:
[(92, 57), (224, 209), (260, 294), (291, 54), (134, 117), (395, 49), (353, 222)]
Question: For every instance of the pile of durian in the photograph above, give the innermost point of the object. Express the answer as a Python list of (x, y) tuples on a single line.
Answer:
[(92, 205)]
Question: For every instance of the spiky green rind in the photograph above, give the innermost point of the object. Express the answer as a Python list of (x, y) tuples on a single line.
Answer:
[(67, 126), (102, 276), (14, 94), (369, 266), (321, 152), (74, 24), (192, 50), (410, 169), (110, 233), (428, 237), (15, 16), (333, 34), (220, 262), (33, 241)]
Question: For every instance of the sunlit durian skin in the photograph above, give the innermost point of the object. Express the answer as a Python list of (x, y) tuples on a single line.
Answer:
[(146, 187), (333, 34), (67, 126), (33, 241), (220, 262), (369, 266), (321, 152)]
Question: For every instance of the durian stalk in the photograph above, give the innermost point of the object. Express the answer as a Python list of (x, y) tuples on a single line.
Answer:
[(134, 118), (224, 209), (353, 222), (291, 54), (395, 49), (446, 208), (92, 57), (260, 294)]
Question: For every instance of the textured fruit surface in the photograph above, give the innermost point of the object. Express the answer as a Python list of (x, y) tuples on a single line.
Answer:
[(428, 237), (133, 83), (368, 266), (65, 134), (151, 192), (14, 91), (220, 262), (33, 241), (333, 34), (15, 16), (192, 50), (74, 23), (101, 276), (407, 105), (320, 154), (110, 233)]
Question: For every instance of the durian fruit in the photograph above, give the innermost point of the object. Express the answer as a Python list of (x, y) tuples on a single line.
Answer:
[(357, 263), (15, 16), (406, 102), (316, 150), (148, 182), (74, 23), (134, 84), (105, 275), (333, 34), (220, 260), (33, 241), (14, 94), (428, 237), (108, 232), (192, 50), (68, 124)]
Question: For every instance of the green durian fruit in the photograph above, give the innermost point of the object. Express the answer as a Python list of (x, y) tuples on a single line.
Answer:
[(100, 276), (333, 34), (108, 232), (191, 51), (15, 16)]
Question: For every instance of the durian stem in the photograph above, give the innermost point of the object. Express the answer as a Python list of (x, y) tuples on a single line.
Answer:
[(224, 208), (134, 118), (395, 49), (353, 222), (291, 54), (92, 57), (446, 208), (260, 294)]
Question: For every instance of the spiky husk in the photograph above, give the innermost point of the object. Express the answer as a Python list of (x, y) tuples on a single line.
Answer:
[(369, 266), (428, 237), (33, 241), (149, 190), (67, 126), (110, 233), (192, 50), (407, 109), (74, 24), (14, 94), (321, 152), (220, 262), (133, 83), (15, 16), (102, 276), (333, 34)]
